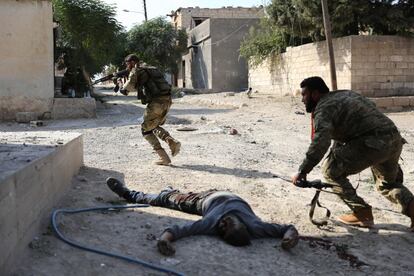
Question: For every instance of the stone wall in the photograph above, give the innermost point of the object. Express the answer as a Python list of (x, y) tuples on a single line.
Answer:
[(26, 54), (375, 66)]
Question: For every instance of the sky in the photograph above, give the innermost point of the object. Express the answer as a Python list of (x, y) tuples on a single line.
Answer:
[(157, 8)]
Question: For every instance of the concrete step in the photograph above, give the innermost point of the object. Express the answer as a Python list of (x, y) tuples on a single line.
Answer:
[(394, 104), (36, 168), (73, 108)]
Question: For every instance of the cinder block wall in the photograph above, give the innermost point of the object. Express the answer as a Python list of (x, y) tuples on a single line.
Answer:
[(372, 65), (289, 69), (383, 65)]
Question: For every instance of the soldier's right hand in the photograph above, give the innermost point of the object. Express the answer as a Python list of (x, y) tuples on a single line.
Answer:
[(299, 180)]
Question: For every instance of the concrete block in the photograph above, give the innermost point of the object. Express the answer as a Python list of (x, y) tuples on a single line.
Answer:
[(72, 108), (8, 220), (32, 188), (396, 58), (411, 101), (383, 102), (25, 117), (402, 65), (401, 101), (66, 163), (395, 109), (381, 92), (34, 174)]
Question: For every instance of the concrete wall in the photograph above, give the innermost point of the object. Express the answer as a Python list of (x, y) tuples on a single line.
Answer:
[(375, 66), (35, 173), (183, 17), (283, 75), (26, 54), (383, 65), (213, 61), (199, 72), (230, 71)]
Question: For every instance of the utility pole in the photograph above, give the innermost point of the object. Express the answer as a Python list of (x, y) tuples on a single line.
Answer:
[(327, 26), (145, 10)]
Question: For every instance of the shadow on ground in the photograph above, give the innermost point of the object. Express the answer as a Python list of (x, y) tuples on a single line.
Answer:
[(227, 171)]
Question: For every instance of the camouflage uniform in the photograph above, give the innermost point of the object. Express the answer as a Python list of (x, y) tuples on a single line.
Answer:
[(363, 137), (154, 91)]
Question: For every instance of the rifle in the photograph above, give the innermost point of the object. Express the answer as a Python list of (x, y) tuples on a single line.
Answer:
[(320, 187), (114, 77)]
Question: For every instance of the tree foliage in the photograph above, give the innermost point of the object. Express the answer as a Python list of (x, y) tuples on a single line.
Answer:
[(91, 37), (295, 22), (156, 42)]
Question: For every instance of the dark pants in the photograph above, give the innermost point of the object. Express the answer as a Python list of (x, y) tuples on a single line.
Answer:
[(172, 199)]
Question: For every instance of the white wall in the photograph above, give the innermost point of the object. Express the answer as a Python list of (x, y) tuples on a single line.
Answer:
[(26, 55)]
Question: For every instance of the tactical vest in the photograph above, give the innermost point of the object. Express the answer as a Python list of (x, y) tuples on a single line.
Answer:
[(156, 85)]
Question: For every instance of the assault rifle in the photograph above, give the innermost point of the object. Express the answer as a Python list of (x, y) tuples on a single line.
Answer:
[(113, 77), (320, 187)]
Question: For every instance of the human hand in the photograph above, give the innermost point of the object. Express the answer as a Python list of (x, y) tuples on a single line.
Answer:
[(290, 238), (299, 179), (165, 248)]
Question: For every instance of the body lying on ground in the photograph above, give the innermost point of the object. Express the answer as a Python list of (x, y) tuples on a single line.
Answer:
[(223, 214)]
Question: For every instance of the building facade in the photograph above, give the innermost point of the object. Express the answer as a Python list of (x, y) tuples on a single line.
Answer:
[(26, 54), (212, 61)]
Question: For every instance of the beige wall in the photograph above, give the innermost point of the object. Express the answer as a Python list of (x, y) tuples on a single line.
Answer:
[(373, 65), (182, 18), (26, 54), (299, 63), (383, 65)]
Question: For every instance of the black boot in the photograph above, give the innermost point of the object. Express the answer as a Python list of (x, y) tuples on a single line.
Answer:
[(117, 186)]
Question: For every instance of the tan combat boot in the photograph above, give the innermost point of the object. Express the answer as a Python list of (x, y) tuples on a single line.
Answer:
[(362, 218), (411, 214), (164, 159), (174, 145)]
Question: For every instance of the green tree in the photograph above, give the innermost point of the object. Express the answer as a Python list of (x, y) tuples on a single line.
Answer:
[(295, 22), (91, 37), (158, 43)]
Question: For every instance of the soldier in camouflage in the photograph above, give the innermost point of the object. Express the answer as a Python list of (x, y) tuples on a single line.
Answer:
[(154, 91), (363, 137)]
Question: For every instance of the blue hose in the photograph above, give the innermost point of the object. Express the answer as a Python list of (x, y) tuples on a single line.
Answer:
[(102, 252)]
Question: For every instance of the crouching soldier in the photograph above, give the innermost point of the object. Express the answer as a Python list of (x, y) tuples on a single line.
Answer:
[(363, 138)]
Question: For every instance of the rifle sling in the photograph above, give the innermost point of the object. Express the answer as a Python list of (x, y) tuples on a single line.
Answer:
[(314, 202)]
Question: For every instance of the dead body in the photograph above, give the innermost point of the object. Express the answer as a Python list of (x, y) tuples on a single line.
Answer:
[(224, 214)]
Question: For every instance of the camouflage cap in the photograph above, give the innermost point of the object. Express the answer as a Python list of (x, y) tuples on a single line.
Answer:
[(131, 57)]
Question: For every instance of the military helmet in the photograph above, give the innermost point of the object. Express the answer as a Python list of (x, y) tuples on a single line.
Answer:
[(131, 57)]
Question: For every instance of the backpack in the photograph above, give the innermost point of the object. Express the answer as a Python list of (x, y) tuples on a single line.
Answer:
[(156, 85)]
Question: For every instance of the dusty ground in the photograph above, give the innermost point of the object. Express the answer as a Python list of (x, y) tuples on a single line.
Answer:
[(272, 140)]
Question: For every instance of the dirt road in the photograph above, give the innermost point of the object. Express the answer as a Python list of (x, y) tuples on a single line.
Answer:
[(272, 138)]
